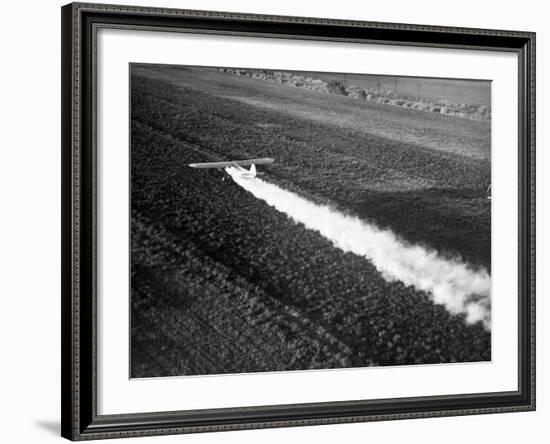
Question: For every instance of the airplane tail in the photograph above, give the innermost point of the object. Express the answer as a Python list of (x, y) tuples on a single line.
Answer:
[(253, 170)]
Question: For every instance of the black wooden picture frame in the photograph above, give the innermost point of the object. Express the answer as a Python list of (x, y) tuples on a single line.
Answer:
[(80, 419)]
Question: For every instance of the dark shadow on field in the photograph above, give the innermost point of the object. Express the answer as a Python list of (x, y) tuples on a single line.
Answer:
[(447, 220)]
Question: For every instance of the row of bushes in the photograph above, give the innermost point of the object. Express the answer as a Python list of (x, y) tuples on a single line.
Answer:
[(384, 96)]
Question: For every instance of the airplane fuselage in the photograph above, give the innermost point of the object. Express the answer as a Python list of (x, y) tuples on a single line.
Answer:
[(235, 167), (242, 172)]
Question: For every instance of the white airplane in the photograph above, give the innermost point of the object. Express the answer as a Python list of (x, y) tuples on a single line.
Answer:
[(235, 167), (242, 172)]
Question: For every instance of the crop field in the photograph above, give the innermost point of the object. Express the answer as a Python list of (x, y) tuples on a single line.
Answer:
[(222, 282)]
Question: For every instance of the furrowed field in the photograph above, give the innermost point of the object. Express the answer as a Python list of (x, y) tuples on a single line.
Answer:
[(224, 283)]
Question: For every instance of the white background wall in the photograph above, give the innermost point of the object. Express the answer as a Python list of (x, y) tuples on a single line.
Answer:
[(30, 220)]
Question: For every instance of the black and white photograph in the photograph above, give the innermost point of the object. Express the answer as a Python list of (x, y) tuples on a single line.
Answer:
[(287, 220), (247, 222)]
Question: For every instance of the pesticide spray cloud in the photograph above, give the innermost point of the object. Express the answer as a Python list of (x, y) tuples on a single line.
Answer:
[(450, 283)]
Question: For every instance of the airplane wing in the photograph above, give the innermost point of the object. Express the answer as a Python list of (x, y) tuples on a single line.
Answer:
[(233, 163)]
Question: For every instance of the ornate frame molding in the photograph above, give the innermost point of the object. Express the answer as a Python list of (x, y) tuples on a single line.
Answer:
[(79, 412)]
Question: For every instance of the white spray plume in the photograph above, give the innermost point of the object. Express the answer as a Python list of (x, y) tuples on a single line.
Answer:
[(449, 282)]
